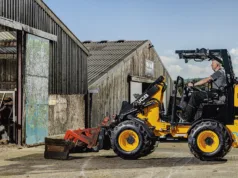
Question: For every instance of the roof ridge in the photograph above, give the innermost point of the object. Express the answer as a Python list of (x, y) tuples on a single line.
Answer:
[(112, 41)]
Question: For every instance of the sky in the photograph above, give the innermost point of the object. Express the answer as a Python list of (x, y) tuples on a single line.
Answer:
[(170, 25)]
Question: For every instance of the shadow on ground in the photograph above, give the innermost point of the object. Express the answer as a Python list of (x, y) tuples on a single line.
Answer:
[(36, 164)]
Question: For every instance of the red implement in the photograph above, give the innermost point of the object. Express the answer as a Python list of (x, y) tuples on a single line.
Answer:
[(59, 148), (88, 136)]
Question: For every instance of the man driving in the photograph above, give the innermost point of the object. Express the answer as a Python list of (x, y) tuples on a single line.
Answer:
[(219, 82)]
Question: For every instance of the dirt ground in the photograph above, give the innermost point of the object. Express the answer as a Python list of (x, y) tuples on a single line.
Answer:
[(170, 160)]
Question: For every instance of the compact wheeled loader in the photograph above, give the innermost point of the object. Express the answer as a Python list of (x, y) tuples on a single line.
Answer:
[(134, 132)]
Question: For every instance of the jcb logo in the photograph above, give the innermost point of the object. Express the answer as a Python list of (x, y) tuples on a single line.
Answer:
[(143, 98)]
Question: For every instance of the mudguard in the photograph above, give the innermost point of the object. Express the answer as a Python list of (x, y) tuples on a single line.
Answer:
[(199, 121)]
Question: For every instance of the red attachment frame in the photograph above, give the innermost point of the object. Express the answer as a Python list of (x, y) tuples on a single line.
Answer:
[(88, 136)]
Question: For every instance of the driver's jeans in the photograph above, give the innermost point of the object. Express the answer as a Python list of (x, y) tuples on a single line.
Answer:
[(195, 100)]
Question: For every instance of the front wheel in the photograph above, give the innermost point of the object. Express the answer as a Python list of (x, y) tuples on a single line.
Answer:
[(129, 140), (209, 140), (150, 148)]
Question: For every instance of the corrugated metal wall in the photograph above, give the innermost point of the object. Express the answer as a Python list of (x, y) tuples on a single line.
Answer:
[(68, 66), (8, 74)]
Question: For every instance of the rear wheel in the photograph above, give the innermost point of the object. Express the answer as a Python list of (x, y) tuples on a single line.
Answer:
[(209, 140), (129, 139)]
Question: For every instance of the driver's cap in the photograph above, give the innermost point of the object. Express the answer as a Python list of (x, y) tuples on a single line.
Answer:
[(218, 59)]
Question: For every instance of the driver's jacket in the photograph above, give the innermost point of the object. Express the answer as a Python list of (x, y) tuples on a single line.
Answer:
[(219, 79)]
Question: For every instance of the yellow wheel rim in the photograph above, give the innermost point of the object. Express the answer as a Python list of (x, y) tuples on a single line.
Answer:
[(128, 140), (208, 141)]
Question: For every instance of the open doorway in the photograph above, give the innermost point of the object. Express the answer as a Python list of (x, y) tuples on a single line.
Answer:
[(137, 88), (8, 84)]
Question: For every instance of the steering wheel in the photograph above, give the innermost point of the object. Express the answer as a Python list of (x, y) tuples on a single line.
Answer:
[(188, 91)]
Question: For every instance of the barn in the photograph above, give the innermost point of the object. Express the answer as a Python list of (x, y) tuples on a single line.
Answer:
[(43, 73), (116, 71)]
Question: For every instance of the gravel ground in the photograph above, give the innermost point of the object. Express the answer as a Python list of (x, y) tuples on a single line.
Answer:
[(170, 160)]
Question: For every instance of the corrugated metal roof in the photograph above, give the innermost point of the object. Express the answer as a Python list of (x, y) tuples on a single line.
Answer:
[(8, 50), (8, 42), (8, 56), (106, 54), (8, 36)]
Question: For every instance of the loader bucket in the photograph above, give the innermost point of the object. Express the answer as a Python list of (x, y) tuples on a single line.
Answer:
[(57, 148)]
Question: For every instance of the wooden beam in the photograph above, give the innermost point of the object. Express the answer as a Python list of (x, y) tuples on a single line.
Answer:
[(141, 79), (10, 23), (39, 33), (8, 83), (8, 43), (19, 87), (8, 56), (19, 26)]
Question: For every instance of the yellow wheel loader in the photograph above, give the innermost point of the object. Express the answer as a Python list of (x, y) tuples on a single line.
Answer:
[(136, 130)]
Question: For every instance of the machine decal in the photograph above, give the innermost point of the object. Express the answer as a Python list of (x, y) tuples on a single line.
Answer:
[(143, 98)]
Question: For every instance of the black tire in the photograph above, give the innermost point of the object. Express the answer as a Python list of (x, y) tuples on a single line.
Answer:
[(139, 129), (150, 148), (225, 140)]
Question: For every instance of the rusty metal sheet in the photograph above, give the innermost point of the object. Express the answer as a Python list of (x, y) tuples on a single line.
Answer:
[(36, 89)]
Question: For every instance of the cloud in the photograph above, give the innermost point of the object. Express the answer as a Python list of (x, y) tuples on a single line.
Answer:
[(168, 60), (198, 70), (177, 67), (174, 70), (172, 65), (236, 70), (234, 55), (234, 58), (234, 51)]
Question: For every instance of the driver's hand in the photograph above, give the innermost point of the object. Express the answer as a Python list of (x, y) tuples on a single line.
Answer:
[(190, 84)]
